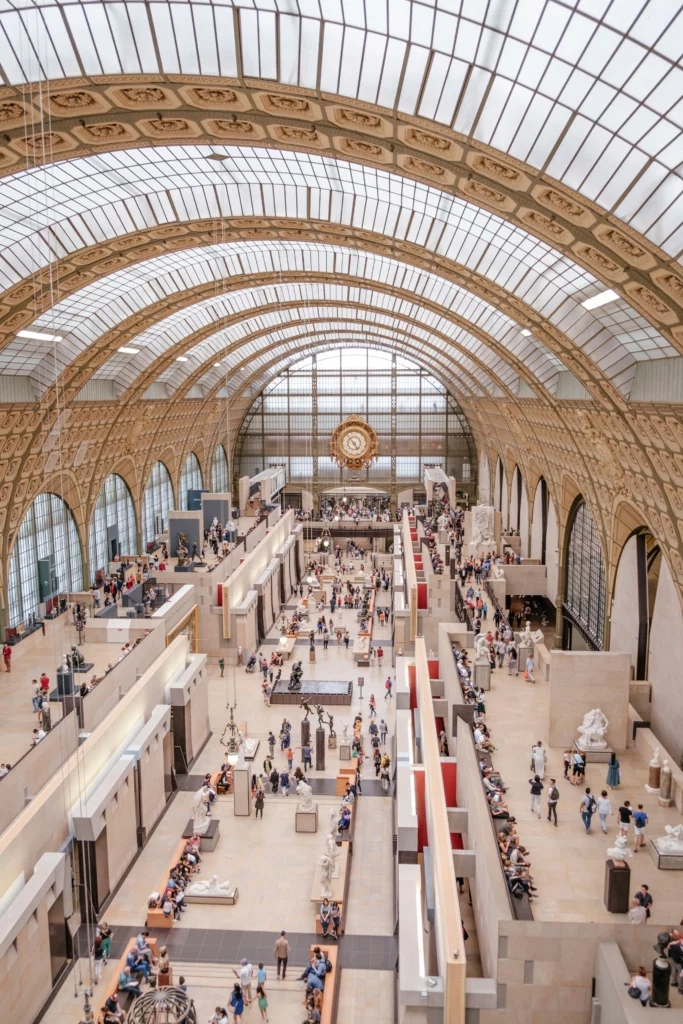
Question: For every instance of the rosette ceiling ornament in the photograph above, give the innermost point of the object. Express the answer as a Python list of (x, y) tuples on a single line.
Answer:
[(354, 444)]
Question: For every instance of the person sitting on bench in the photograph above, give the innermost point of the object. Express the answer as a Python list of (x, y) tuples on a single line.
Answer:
[(127, 982)]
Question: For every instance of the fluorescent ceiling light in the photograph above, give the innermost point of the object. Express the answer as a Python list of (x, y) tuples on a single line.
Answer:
[(39, 336), (527, 334), (129, 351), (216, 364), (600, 299), (181, 359)]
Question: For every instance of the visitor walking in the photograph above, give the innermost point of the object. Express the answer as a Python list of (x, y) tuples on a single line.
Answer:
[(271, 744), (536, 790), (613, 779), (512, 659), (640, 820), (284, 782), (307, 756), (644, 898), (529, 673), (587, 807), (221, 665), (387, 688), (7, 655), (282, 951), (604, 808), (383, 730), (373, 706), (258, 803), (553, 797), (539, 759), (625, 815)]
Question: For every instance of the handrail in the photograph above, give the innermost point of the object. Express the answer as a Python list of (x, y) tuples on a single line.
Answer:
[(496, 603), (33, 746), (462, 609)]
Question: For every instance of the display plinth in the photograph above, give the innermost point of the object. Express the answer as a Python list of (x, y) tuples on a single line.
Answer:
[(320, 750), (209, 840), (305, 733), (595, 756), (324, 691), (617, 886), (523, 653), (653, 778), (311, 653), (665, 861), (227, 899), (482, 674), (344, 751), (241, 788), (306, 821)]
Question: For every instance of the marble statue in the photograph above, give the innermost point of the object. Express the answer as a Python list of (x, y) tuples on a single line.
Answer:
[(592, 731), (654, 773), (345, 733), (620, 850), (206, 886), (525, 638), (305, 794), (249, 747), (200, 811), (331, 848), (326, 865), (655, 762), (481, 648), (665, 782), (482, 525), (332, 824), (672, 842)]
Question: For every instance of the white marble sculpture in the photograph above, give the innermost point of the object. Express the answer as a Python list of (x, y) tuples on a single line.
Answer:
[(249, 748), (209, 887), (200, 815), (326, 865), (305, 794), (655, 762), (482, 525), (345, 733), (672, 842), (481, 648), (620, 850), (592, 731), (525, 638), (332, 820), (331, 848)]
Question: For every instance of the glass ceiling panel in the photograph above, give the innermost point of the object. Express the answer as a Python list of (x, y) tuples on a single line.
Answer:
[(531, 270), (591, 93)]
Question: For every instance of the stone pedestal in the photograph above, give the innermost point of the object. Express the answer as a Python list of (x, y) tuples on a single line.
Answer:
[(209, 840), (311, 653), (522, 654), (653, 777), (320, 750), (305, 733), (664, 859), (306, 821), (241, 787), (331, 742), (344, 751), (482, 674), (617, 885)]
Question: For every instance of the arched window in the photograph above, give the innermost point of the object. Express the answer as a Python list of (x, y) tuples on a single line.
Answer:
[(190, 479), (585, 583), (156, 502), (48, 529), (219, 471), (114, 507)]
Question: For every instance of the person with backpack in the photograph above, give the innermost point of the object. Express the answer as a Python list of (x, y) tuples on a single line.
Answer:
[(536, 790), (274, 780), (553, 797), (640, 820), (284, 782), (587, 807)]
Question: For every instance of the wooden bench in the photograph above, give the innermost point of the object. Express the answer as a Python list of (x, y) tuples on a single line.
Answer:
[(328, 1014), (155, 915), (113, 986)]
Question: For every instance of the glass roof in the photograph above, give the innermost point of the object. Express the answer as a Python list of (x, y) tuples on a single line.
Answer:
[(589, 91), (613, 335)]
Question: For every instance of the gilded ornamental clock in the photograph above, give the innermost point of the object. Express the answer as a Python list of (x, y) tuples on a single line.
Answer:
[(354, 444)]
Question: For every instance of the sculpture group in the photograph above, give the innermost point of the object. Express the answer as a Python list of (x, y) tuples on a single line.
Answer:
[(592, 731)]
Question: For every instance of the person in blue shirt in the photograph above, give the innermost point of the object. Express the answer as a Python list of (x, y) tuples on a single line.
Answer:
[(284, 782), (639, 822), (261, 976)]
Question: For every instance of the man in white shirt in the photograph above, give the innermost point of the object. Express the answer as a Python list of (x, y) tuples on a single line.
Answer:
[(604, 808), (38, 735), (245, 974), (637, 914)]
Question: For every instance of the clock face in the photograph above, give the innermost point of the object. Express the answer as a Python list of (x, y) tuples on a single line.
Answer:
[(353, 443)]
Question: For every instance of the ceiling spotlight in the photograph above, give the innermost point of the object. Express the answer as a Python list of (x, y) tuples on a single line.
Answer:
[(181, 359), (39, 336), (527, 334), (600, 299), (129, 351), (216, 364)]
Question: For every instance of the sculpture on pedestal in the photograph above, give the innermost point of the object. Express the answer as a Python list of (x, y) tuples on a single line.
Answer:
[(295, 679), (592, 731), (654, 773), (209, 886), (481, 649), (305, 794), (672, 842), (305, 706), (182, 551), (665, 783), (345, 733), (525, 638), (200, 811), (482, 527), (620, 850)]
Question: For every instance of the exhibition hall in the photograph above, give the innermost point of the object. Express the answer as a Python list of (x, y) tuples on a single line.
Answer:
[(341, 511)]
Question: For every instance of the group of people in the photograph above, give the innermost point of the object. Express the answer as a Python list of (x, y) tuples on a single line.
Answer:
[(171, 900)]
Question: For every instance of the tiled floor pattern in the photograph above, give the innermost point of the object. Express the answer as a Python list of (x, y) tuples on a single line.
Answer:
[(568, 866)]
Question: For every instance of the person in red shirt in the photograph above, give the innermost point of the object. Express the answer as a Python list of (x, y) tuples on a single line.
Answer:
[(7, 655), (45, 682)]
